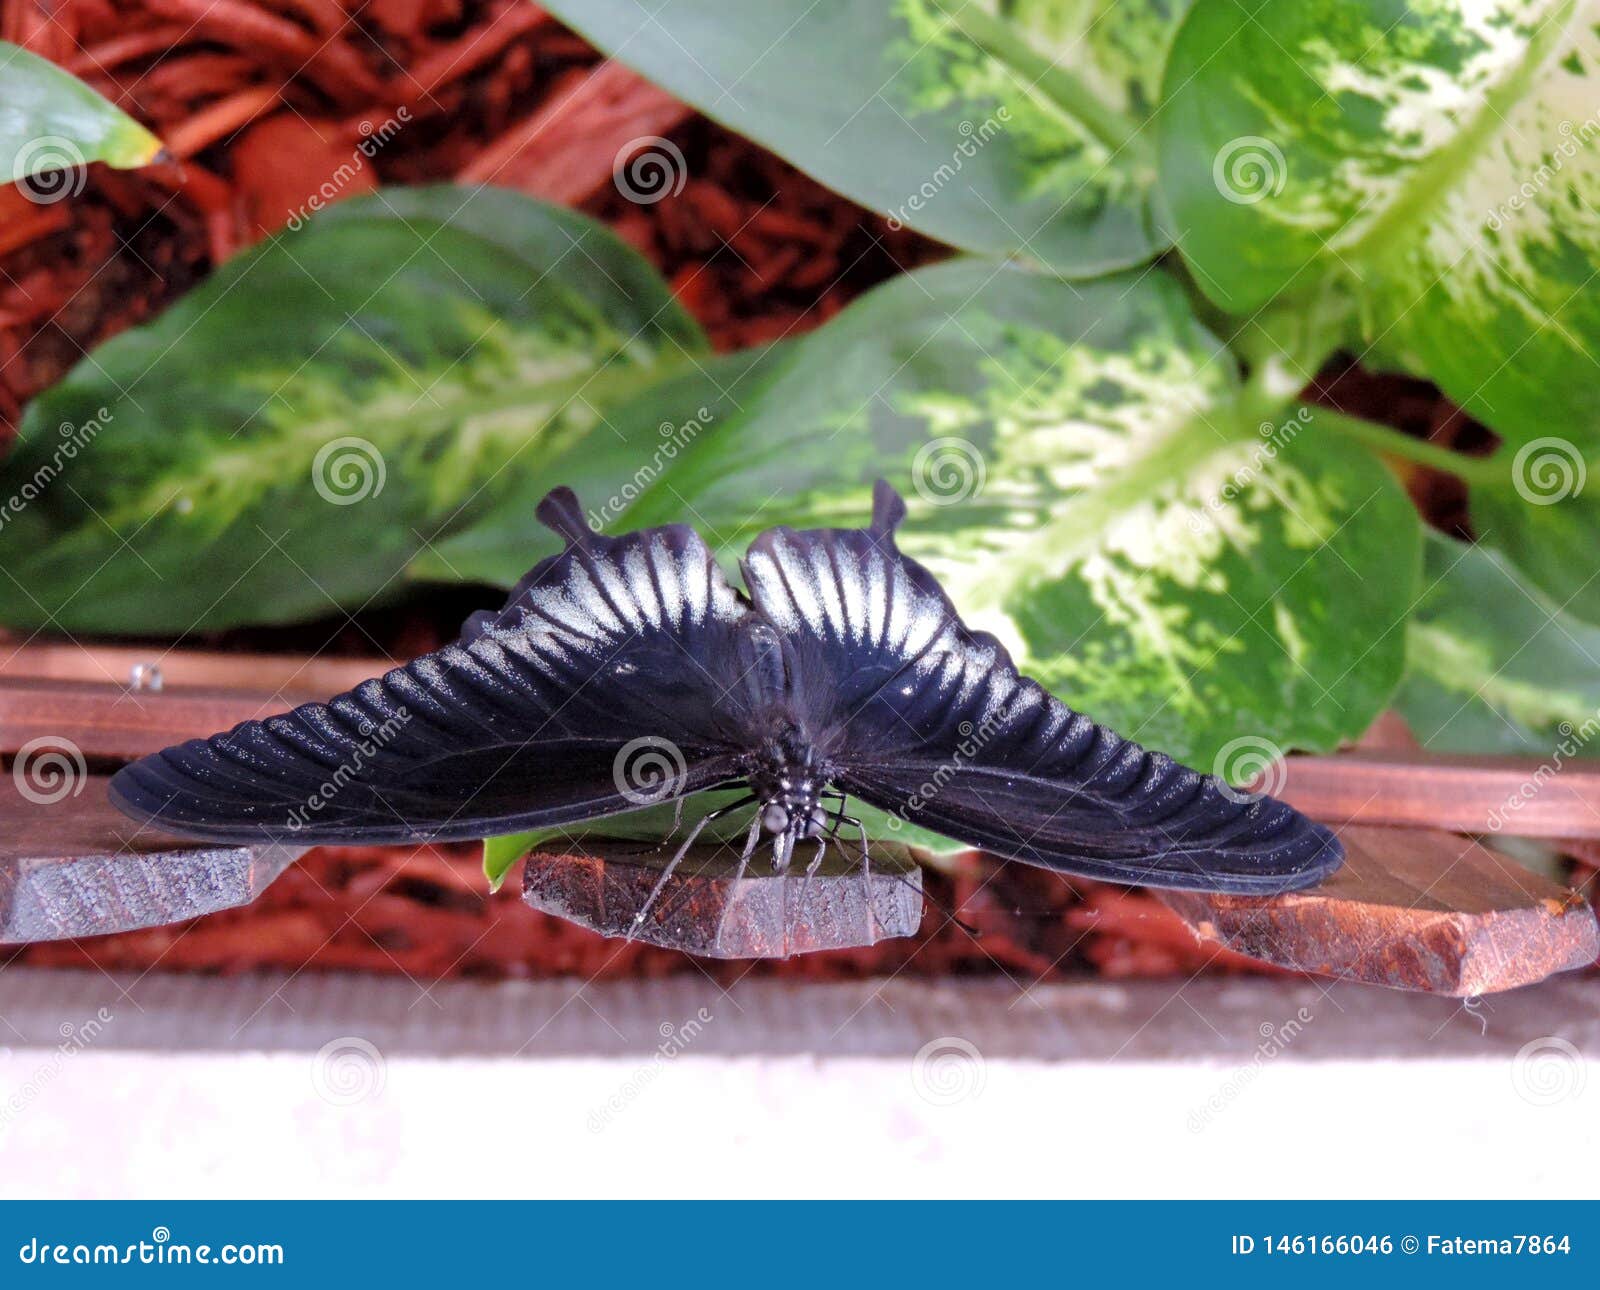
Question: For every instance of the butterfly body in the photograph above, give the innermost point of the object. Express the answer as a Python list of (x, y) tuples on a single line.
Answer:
[(841, 670)]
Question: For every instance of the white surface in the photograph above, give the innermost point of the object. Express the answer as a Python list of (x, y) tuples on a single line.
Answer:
[(343, 1086)]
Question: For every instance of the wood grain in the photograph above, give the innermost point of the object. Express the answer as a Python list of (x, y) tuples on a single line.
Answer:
[(1413, 909)]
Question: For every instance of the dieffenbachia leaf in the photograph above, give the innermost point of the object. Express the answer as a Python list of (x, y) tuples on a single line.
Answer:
[(1434, 160), (633, 445), (51, 121), (1175, 553), (654, 823), (1494, 664), (1006, 128), (322, 409), (1546, 521)]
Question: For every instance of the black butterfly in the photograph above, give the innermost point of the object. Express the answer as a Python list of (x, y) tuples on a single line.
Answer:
[(627, 670)]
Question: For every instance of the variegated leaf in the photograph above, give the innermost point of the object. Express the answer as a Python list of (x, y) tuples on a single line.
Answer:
[(1547, 521), (1090, 481), (630, 447), (323, 409), (1002, 126), (1495, 665), (1438, 162)]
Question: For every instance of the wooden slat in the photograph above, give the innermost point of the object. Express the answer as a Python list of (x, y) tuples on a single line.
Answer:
[(112, 722), (293, 674), (1414, 909), (1513, 795)]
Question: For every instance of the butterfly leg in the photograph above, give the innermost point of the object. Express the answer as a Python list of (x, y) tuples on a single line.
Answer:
[(811, 872), (749, 846), (672, 865)]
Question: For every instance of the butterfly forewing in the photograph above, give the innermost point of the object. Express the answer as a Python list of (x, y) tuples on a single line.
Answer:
[(595, 690)]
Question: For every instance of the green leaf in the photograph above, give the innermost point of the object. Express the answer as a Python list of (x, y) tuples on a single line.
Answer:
[(51, 121), (1547, 521), (1177, 554), (322, 409), (1494, 664), (656, 823), (1009, 128), (618, 460), (1433, 161)]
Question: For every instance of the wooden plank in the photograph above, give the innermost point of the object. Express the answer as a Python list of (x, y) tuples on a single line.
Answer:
[(76, 867), (113, 722), (1412, 909), (1466, 794), (299, 675), (707, 908)]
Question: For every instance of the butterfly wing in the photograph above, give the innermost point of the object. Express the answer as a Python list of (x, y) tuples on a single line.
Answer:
[(932, 722), (592, 692)]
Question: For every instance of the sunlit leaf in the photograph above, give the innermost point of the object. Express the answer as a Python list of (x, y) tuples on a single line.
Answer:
[(51, 121), (1434, 161)]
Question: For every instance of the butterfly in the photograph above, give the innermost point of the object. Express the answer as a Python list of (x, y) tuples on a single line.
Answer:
[(628, 670)]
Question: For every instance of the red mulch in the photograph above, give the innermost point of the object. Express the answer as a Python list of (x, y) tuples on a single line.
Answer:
[(261, 103)]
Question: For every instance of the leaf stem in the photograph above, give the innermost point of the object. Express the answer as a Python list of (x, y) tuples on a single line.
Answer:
[(1484, 471)]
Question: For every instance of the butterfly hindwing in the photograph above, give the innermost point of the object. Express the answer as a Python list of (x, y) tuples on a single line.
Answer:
[(593, 691), (930, 721)]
